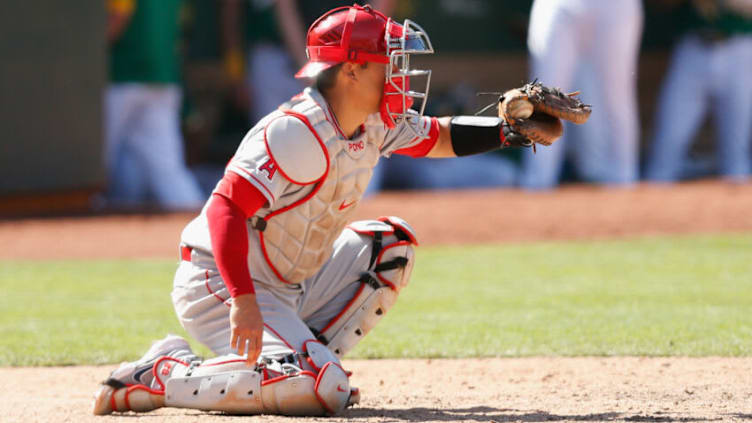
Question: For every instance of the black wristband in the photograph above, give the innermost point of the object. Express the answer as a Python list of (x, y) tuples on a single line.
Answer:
[(479, 134)]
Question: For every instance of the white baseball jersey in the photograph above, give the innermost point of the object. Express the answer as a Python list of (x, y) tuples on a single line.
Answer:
[(312, 178)]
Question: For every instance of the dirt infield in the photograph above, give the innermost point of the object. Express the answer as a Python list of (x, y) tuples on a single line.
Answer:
[(481, 390), (452, 217), (476, 390)]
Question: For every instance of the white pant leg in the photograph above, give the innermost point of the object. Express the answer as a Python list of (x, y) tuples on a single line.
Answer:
[(682, 105), (588, 144), (608, 150), (732, 100), (270, 78), (555, 45), (121, 106), (158, 143), (202, 303), (284, 330), (130, 186), (329, 291), (126, 181)]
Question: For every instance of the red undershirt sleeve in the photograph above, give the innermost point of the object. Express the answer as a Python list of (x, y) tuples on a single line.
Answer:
[(233, 202)]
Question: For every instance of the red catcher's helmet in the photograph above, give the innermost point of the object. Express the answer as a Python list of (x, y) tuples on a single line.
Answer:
[(346, 34), (360, 34)]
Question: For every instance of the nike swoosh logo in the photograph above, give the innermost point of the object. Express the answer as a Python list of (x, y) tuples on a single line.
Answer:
[(344, 206), (138, 374), (339, 388)]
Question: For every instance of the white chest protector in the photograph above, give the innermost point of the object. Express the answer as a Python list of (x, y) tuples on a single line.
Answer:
[(297, 236)]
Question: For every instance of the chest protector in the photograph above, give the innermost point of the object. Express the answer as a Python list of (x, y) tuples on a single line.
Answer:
[(297, 236)]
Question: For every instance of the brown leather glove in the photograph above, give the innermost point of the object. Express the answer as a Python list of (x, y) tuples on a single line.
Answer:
[(534, 110)]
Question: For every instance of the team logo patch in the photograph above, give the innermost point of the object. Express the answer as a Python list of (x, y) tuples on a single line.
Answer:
[(270, 168)]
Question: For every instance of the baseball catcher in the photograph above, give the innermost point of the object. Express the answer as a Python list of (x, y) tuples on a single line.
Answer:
[(274, 278)]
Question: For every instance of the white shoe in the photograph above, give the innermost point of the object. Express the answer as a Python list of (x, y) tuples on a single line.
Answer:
[(137, 376), (140, 372)]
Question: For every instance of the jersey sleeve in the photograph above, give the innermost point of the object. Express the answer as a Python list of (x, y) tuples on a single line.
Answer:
[(252, 163), (286, 152), (414, 137)]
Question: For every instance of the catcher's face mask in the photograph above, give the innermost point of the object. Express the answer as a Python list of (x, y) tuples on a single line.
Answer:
[(400, 90)]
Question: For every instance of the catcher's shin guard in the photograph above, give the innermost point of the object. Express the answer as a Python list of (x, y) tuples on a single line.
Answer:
[(233, 387), (389, 272)]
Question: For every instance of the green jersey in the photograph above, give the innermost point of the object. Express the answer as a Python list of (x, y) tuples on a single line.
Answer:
[(148, 50), (724, 23), (262, 22)]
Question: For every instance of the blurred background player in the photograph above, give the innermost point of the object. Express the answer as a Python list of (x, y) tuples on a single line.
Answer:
[(710, 70), (144, 147), (591, 44)]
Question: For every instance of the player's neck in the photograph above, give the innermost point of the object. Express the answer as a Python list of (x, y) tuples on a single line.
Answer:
[(348, 115)]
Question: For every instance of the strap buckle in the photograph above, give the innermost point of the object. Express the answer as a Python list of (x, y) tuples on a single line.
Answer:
[(258, 223)]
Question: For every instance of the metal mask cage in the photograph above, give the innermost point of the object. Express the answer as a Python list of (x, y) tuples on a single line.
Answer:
[(414, 40)]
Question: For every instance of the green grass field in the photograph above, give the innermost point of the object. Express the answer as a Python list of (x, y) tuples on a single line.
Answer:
[(687, 295)]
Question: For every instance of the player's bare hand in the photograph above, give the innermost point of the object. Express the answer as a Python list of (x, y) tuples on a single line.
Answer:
[(247, 327)]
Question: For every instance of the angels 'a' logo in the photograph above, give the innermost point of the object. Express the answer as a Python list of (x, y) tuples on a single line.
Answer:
[(270, 169)]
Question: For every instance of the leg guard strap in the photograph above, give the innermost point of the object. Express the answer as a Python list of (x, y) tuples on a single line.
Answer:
[(113, 396)]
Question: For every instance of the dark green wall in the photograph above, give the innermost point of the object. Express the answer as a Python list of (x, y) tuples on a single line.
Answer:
[(51, 89)]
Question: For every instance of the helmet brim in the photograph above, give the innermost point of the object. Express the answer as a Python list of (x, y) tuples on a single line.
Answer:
[(312, 69)]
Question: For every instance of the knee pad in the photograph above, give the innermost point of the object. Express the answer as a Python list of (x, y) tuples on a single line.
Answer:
[(332, 382), (390, 267), (306, 393)]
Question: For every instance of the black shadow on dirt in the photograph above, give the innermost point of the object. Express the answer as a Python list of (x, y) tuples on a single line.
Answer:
[(490, 414)]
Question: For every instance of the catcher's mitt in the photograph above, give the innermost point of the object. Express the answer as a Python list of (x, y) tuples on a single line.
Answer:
[(534, 110)]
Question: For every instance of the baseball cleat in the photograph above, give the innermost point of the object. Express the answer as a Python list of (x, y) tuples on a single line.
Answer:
[(140, 372), (128, 387)]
